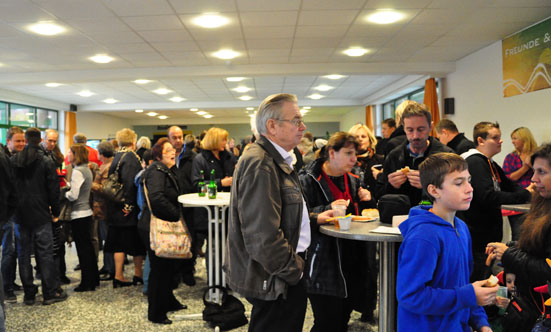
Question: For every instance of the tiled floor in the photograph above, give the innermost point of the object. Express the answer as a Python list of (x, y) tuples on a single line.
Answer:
[(121, 309)]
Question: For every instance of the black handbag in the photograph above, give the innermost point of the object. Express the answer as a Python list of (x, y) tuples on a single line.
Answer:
[(229, 315), (393, 205), (112, 188)]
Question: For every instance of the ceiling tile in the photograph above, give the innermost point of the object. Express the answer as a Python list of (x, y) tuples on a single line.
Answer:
[(312, 31), (116, 36), (269, 32), (269, 43), (316, 42), (267, 19), (264, 5), (95, 25), (161, 22), (397, 4), (130, 48), (75, 9), (165, 35), (321, 17), (443, 16), (202, 6), (232, 32), (280, 52), (182, 46), (331, 4), (318, 52), (215, 45), (139, 7), (23, 12)]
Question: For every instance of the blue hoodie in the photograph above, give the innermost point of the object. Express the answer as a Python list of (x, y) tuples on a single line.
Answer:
[(434, 265)]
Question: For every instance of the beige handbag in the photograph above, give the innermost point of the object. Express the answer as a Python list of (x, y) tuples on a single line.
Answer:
[(168, 239)]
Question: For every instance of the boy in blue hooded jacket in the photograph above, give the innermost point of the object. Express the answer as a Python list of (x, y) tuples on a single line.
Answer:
[(435, 259)]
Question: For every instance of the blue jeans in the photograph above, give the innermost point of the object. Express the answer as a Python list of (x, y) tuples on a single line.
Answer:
[(42, 238), (9, 255)]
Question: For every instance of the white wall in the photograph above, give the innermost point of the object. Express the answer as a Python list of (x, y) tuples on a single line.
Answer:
[(351, 118), (99, 126), (476, 86)]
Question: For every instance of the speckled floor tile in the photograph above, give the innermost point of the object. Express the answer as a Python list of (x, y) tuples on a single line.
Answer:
[(121, 309)]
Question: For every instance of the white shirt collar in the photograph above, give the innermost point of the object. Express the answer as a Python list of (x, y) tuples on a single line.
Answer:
[(285, 154)]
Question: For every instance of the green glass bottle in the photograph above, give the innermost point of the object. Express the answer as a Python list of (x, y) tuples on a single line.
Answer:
[(211, 189), (202, 189)]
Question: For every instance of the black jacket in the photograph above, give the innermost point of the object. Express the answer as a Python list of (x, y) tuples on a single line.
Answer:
[(399, 158), (183, 171), (335, 267), (129, 167), (8, 197), (460, 144), (206, 161), (368, 181), (484, 215), (38, 186), (163, 191), (396, 138)]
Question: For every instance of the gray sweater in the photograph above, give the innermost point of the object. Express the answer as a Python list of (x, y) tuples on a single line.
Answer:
[(79, 194)]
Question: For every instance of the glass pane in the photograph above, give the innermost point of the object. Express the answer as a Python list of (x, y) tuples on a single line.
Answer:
[(388, 111), (21, 115), (46, 119), (3, 133), (419, 96), (3, 113)]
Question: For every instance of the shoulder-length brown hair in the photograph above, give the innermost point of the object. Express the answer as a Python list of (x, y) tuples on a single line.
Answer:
[(80, 154), (538, 219)]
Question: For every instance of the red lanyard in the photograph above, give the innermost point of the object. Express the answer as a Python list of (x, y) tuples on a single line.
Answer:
[(337, 193), (495, 175)]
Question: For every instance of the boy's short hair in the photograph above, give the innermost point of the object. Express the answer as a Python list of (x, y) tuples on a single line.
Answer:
[(446, 124), (481, 130), (435, 168)]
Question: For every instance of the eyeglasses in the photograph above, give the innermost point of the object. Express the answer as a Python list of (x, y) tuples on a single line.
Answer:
[(296, 121)]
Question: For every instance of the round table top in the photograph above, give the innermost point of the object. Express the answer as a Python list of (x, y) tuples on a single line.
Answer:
[(361, 231), (222, 199)]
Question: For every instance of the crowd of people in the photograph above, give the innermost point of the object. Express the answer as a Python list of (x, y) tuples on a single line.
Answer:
[(284, 184)]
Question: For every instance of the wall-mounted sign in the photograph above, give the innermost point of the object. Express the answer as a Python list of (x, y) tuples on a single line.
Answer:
[(527, 60)]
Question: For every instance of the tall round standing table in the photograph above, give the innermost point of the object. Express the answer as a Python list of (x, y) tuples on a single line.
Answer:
[(361, 231), (216, 209)]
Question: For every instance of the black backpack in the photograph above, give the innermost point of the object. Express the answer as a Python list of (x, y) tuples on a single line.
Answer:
[(229, 315)]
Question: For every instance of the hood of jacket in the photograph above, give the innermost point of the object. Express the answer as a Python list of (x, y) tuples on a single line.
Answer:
[(420, 215), (28, 156)]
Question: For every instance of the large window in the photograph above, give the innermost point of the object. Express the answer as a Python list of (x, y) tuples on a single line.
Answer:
[(25, 116)]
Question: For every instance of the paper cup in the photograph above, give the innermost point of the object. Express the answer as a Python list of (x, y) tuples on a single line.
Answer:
[(397, 220), (344, 223), (502, 292), (339, 210)]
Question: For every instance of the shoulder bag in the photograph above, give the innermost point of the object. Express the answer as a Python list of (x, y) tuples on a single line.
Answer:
[(112, 188), (228, 315), (168, 239)]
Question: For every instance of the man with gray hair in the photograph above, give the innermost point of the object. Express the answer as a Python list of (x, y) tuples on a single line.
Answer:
[(269, 224), (92, 153)]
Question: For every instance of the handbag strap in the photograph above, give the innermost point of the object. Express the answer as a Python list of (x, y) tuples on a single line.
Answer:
[(223, 289), (147, 198), (119, 163)]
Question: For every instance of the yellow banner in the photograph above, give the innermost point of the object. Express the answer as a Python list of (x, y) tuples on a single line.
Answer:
[(527, 60)]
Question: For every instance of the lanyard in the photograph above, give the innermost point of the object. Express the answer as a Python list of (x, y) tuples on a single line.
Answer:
[(337, 193), (495, 175)]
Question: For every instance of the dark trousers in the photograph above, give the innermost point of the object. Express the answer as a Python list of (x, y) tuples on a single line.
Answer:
[(41, 237), (331, 313), (282, 314), (59, 230), (9, 255), (108, 257), (82, 234), (160, 298)]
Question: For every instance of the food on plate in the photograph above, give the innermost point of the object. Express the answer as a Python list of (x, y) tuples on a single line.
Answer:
[(405, 170), (370, 213), (492, 281)]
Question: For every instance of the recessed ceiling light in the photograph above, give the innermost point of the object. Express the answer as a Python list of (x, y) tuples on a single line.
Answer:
[(252, 115), (303, 111), (201, 112), (142, 81), (177, 99), (163, 117), (306, 107), (139, 111), (101, 58), (385, 16), (194, 109), (53, 85), (210, 20), (226, 54), (356, 51), (110, 101), (207, 116), (245, 98), (85, 93), (334, 77), (162, 91), (242, 89), (235, 79), (46, 28), (152, 113), (323, 87), (250, 108), (315, 96)]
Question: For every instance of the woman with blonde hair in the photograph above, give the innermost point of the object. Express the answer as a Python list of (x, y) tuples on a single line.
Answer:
[(367, 158), (518, 168), (122, 236), (144, 144)]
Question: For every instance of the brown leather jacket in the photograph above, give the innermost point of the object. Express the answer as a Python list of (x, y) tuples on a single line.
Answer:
[(264, 225)]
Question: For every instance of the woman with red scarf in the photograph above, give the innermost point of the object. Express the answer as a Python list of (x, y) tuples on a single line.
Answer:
[(337, 268)]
